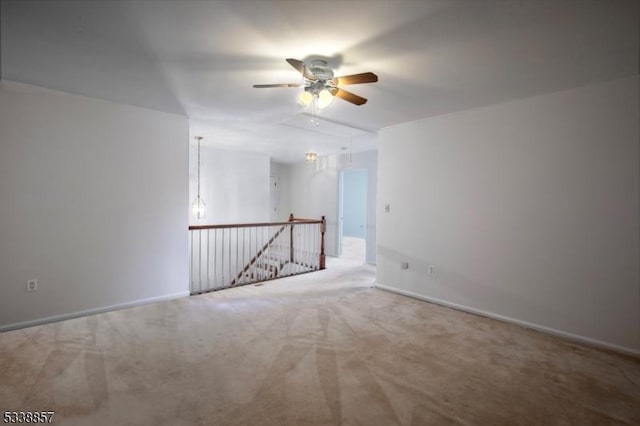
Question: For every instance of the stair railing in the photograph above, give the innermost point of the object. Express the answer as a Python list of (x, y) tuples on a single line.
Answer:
[(224, 256)]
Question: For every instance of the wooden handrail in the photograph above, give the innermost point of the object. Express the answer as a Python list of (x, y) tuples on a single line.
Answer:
[(249, 225), (299, 219)]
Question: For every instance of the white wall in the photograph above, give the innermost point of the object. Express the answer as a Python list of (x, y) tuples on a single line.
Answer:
[(314, 193), (93, 203), (234, 184), (527, 210)]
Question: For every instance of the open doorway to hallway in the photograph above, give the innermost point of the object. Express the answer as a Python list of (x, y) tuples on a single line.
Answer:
[(354, 249), (353, 214)]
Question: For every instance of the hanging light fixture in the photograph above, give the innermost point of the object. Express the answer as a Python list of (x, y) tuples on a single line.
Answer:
[(310, 156), (198, 206)]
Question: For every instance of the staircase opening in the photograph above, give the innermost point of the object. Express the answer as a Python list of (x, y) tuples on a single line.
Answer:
[(224, 256)]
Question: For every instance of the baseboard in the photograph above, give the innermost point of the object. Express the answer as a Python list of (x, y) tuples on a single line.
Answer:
[(570, 336), (62, 317)]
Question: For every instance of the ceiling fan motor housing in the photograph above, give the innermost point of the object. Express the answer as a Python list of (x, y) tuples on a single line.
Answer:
[(324, 74), (320, 69)]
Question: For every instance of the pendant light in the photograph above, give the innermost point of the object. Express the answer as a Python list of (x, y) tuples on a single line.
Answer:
[(198, 206)]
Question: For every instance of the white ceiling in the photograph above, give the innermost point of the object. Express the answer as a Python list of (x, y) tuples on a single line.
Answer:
[(200, 58)]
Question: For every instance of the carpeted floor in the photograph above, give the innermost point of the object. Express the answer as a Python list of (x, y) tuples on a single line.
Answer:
[(322, 348)]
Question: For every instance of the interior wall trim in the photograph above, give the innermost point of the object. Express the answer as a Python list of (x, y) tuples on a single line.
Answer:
[(100, 310), (569, 336)]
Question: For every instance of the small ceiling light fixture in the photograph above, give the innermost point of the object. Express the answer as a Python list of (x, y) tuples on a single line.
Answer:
[(198, 206), (310, 156)]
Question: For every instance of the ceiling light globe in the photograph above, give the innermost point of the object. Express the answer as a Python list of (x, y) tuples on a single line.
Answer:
[(325, 98), (305, 98)]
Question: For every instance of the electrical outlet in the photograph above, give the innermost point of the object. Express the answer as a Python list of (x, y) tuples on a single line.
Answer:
[(404, 265), (32, 285), (387, 208), (432, 270)]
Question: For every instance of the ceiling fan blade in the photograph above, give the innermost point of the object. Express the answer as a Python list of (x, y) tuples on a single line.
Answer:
[(348, 96), (365, 77), (265, 86), (302, 69)]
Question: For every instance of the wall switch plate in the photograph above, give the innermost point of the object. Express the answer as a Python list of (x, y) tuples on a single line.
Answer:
[(404, 265), (432, 270), (387, 208), (32, 285)]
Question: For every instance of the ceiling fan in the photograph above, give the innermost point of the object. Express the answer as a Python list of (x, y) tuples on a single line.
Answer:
[(321, 85)]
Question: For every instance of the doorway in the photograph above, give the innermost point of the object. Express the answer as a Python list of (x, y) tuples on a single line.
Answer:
[(353, 215)]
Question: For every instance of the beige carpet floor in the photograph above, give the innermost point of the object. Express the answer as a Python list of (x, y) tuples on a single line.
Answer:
[(320, 349)]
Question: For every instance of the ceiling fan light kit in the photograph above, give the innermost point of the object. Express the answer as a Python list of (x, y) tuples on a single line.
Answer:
[(320, 85)]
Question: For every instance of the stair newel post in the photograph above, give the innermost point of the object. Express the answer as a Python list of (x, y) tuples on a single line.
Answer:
[(291, 219), (323, 228)]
